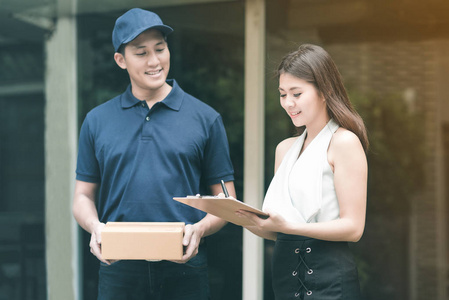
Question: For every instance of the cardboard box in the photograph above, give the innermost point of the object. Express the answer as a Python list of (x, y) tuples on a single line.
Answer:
[(142, 240)]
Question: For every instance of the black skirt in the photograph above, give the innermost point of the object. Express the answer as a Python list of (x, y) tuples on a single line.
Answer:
[(306, 268)]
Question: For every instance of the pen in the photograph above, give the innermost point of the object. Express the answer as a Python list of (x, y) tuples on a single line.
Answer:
[(225, 190)]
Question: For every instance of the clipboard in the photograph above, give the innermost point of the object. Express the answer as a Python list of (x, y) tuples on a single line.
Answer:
[(224, 208)]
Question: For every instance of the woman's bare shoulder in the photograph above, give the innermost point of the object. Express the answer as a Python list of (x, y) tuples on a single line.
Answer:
[(281, 149), (285, 145), (344, 138), (345, 144)]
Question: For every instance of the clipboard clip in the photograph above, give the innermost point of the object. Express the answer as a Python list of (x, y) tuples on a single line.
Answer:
[(200, 196)]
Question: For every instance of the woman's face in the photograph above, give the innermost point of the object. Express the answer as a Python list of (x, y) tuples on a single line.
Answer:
[(301, 100)]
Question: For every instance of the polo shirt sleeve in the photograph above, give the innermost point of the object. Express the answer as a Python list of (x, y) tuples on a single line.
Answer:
[(87, 168), (217, 163)]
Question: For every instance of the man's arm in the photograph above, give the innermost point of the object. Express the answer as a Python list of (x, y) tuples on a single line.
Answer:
[(209, 225), (85, 213)]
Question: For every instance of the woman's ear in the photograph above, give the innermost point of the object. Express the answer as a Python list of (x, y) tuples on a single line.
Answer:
[(322, 97), (120, 60)]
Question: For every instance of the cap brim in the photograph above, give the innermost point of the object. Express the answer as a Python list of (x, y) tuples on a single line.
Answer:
[(166, 30)]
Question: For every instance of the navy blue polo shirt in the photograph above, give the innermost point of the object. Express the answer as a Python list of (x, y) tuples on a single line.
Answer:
[(142, 157)]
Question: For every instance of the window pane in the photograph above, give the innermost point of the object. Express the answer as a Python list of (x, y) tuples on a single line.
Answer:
[(22, 173)]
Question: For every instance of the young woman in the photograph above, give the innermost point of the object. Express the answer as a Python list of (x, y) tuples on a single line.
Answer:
[(317, 198)]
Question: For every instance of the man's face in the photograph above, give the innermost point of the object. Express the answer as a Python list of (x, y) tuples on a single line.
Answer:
[(147, 60)]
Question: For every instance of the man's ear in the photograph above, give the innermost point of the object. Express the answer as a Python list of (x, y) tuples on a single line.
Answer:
[(120, 60)]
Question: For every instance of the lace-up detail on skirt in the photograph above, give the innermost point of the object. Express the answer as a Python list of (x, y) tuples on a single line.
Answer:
[(301, 252), (310, 269)]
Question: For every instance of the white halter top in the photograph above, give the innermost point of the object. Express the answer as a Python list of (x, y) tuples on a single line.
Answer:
[(302, 190)]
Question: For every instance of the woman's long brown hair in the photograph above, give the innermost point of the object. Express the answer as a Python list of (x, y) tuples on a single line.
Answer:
[(313, 64)]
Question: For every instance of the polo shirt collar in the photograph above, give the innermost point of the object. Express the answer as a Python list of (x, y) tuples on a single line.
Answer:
[(172, 101)]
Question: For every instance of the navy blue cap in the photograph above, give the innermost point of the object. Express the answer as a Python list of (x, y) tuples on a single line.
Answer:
[(134, 22)]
